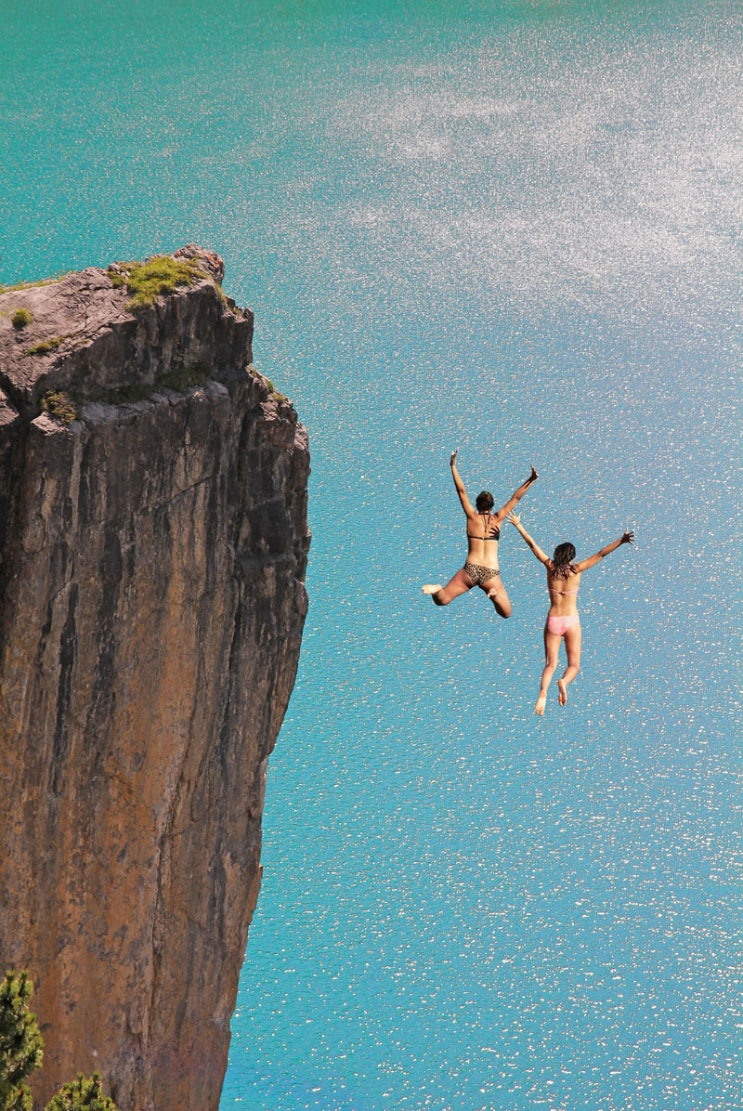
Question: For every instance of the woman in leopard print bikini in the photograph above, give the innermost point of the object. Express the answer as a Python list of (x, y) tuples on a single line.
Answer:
[(483, 532)]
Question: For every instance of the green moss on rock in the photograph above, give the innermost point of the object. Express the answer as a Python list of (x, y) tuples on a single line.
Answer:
[(45, 346), (146, 281), (21, 318), (60, 406)]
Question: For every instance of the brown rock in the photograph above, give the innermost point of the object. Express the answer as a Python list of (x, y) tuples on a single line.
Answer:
[(152, 558)]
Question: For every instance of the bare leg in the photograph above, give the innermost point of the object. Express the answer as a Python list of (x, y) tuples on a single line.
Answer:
[(551, 654), (573, 640), (442, 595), (496, 592)]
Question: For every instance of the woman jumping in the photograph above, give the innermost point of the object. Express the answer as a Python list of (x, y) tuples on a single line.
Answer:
[(483, 532), (563, 581)]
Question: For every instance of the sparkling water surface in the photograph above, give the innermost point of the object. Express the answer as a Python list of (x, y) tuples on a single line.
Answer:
[(512, 228)]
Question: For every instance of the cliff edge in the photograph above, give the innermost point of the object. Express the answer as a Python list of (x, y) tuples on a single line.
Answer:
[(153, 545)]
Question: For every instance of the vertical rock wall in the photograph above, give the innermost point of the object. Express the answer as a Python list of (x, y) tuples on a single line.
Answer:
[(152, 558)]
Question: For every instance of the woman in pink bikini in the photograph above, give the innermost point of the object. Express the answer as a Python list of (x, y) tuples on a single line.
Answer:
[(563, 580), (483, 533)]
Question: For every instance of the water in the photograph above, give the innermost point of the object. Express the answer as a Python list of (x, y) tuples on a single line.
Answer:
[(512, 228)]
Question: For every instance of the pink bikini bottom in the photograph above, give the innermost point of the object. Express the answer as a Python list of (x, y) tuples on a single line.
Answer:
[(560, 625)]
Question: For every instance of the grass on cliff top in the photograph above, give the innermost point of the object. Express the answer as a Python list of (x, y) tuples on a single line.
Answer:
[(59, 405), (18, 287), (46, 346), (21, 318), (147, 281)]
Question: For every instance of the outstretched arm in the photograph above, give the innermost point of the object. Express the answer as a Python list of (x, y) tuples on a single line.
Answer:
[(516, 521), (625, 538), (467, 505), (516, 497)]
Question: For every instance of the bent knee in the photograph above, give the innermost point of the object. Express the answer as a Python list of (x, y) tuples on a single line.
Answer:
[(439, 600), (503, 607)]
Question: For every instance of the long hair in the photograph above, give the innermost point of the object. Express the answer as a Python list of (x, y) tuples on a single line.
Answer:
[(484, 502), (562, 560)]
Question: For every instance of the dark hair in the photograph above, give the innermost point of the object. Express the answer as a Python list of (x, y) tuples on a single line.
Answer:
[(484, 502), (562, 560)]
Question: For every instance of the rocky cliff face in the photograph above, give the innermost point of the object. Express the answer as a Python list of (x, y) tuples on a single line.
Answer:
[(153, 544)]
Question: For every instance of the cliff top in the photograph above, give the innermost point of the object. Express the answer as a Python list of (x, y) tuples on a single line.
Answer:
[(113, 334)]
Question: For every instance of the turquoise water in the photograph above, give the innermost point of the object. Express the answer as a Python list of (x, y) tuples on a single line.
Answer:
[(512, 228)]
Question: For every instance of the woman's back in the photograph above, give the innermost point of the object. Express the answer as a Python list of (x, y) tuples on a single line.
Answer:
[(483, 534), (563, 589)]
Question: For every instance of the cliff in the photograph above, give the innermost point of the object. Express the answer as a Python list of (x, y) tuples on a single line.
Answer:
[(153, 544)]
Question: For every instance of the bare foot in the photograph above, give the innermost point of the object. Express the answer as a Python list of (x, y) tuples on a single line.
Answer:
[(432, 588), (562, 696), (541, 703)]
